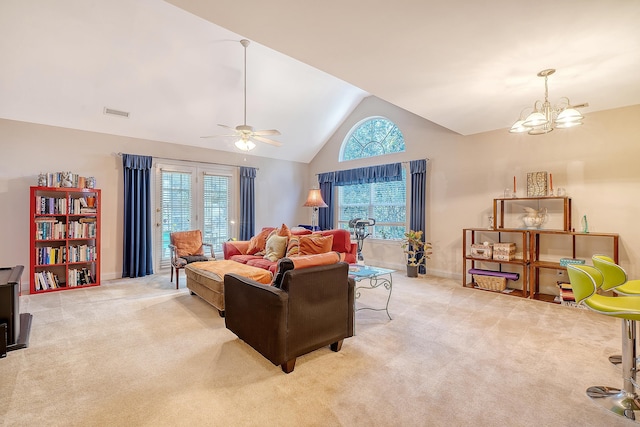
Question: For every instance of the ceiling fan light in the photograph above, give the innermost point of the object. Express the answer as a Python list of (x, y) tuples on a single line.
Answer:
[(518, 127), (245, 145), (535, 119), (569, 115)]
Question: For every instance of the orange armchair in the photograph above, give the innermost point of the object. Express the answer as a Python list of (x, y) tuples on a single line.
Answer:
[(187, 247)]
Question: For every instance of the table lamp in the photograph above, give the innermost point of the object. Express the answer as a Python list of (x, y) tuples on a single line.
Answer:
[(314, 200)]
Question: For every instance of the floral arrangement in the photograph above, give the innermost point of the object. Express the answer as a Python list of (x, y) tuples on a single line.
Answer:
[(416, 249)]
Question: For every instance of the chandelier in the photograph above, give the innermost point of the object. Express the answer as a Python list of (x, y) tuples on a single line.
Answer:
[(546, 117)]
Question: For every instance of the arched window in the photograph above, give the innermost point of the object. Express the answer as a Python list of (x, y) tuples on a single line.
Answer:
[(374, 136), (386, 202)]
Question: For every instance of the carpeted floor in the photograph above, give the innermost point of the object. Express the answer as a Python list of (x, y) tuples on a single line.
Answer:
[(137, 352)]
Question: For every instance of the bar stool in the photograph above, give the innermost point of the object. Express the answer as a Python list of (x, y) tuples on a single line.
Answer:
[(615, 279), (585, 281)]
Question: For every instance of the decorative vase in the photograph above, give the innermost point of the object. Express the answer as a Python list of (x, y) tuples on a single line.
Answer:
[(412, 271), (534, 218)]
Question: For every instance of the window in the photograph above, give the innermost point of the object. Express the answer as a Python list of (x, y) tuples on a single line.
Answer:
[(386, 202), (191, 197), (371, 137), (383, 201)]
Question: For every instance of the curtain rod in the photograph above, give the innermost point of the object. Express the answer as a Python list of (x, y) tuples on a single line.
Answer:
[(194, 161)]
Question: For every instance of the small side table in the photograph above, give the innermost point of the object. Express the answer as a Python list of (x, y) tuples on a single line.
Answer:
[(377, 277)]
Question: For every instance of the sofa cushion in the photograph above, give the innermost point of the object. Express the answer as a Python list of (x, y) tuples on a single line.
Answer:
[(276, 247), (243, 259), (258, 242), (263, 263), (315, 244), (216, 270)]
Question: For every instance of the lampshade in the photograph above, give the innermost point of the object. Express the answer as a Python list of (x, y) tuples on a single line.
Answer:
[(518, 127), (569, 115), (535, 119), (545, 117), (245, 145), (314, 199)]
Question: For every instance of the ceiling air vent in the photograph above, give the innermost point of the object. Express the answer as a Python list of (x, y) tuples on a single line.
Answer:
[(112, 112)]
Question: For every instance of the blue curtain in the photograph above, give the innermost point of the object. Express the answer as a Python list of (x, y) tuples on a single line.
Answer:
[(137, 252), (247, 202), (325, 215), (367, 175), (417, 209)]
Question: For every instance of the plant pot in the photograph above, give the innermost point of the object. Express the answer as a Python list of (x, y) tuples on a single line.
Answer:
[(412, 271)]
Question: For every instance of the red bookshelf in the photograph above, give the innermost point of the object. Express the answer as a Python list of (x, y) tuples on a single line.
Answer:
[(64, 238)]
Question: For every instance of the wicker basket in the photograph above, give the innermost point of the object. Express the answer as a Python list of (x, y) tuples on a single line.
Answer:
[(490, 283)]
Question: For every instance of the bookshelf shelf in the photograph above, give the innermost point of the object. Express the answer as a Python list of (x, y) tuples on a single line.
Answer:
[(64, 238)]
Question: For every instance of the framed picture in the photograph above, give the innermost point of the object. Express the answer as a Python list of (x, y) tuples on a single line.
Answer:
[(537, 184)]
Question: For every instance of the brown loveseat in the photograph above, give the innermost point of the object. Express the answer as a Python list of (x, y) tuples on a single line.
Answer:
[(305, 309), (239, 251)]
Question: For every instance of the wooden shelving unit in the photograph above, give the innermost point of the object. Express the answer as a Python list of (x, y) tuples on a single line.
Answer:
[(572, 242), (64, 238), (542, 249), (474, 235)]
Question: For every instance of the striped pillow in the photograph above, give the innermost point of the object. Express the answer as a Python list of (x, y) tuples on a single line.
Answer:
[(293, 248)]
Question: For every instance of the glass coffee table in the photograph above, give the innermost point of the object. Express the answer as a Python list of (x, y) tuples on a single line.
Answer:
[(367, 277)]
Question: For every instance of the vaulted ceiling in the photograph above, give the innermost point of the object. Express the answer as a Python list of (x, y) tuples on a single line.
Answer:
[(177, 66)]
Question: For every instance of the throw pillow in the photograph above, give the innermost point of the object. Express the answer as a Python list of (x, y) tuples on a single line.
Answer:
[(293, 248), (284, 231), (263, 251), (259, 241), (315, 244), (306, 261), (276, 247)]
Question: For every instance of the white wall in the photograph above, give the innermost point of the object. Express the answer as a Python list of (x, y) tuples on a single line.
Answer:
[(29, 149), (597, 163)]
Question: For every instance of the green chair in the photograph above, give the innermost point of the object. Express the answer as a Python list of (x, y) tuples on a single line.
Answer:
[(615, 279), (585, 282)]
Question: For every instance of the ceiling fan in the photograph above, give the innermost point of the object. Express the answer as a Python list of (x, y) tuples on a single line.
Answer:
[(245, 133)]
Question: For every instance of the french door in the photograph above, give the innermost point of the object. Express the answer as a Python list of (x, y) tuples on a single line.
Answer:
[(190, 197)]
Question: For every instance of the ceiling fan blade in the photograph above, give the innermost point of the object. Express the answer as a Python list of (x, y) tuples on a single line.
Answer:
[(267, 132), (228, 127), (267, 140), (219, 136)]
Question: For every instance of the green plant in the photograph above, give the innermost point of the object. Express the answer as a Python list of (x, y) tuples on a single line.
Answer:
[(416, 249)]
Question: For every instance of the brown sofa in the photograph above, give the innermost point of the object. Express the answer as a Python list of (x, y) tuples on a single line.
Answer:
[(237, 250), (305, 309)]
